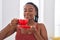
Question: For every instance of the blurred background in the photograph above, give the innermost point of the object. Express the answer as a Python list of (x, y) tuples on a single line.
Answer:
[(48, 14)]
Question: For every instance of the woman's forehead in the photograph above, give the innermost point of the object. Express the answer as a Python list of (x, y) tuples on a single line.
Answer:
[(28, 6)]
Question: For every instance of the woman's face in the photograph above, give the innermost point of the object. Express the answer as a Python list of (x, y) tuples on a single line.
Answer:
[(29, 11)]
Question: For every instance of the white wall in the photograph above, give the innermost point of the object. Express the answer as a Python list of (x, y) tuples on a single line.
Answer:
[(0, 14), (49, 17), (57, 18), (10, 10)]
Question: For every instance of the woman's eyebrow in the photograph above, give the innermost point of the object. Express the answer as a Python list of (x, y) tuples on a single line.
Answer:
[(30, 8)]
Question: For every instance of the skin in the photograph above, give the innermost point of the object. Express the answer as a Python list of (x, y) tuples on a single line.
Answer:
[(29, 13)]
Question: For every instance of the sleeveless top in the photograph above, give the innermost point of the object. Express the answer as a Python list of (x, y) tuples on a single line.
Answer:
[(20, 36)]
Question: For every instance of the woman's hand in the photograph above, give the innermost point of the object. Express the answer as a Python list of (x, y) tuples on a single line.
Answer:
[(30, 30), (14, 21), (33, 30)]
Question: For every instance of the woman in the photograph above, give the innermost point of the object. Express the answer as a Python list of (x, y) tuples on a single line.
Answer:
[(37, 32)]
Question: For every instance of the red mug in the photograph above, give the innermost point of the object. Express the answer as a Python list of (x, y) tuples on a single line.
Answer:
[(22, 23)]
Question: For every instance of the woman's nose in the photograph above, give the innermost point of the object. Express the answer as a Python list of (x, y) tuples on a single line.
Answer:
[(27, 13)]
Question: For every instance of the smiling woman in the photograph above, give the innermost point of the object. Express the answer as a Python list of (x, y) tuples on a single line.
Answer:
[(17, 9), (36, 32), (31, 11)]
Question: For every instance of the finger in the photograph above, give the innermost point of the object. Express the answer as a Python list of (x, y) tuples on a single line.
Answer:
[(14, 21), (33, 27)]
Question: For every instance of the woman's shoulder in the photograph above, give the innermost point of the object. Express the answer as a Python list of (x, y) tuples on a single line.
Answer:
[(40, 25)]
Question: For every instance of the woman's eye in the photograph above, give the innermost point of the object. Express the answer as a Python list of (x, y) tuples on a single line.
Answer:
[(30, 10)]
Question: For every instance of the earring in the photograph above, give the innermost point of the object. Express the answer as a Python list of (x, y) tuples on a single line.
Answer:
[(36, 19)]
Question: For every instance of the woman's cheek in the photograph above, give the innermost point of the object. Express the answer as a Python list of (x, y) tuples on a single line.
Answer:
[(32, 16)]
